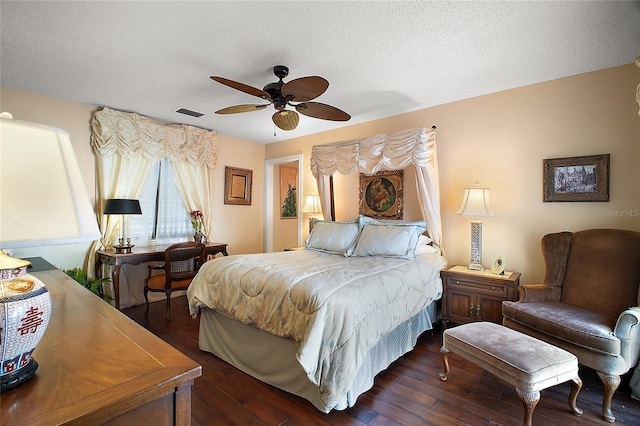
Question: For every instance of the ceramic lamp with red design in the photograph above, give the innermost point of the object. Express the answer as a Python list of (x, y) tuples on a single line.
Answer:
[(25, 310)]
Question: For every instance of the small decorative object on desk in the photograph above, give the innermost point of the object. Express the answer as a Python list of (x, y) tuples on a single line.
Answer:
[(25, 310), (197, 221)]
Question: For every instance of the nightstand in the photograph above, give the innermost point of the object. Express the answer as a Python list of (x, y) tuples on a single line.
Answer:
[(469, 296)]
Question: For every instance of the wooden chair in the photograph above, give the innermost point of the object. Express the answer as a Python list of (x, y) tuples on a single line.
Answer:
[(181, 263)]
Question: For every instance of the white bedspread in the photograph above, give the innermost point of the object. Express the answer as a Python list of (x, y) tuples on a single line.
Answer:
[(336, 307)]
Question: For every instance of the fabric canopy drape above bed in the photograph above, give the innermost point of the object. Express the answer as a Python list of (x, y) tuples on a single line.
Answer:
[(392, 151)]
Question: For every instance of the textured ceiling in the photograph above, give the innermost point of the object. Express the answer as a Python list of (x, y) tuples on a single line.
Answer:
[(381, 58)]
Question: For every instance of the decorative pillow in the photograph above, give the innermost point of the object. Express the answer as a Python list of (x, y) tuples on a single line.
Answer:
[(333, 237), (389, 240), (366, 220)]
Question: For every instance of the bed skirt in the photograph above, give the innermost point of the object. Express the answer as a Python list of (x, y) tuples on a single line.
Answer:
[(272, 359)]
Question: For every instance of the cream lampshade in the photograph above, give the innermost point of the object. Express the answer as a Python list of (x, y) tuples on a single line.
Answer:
[(42, 193), (311, 207), (44, 201), (476, 203)]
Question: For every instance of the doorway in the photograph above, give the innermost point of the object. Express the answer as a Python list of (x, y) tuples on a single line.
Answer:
[(272, 198)]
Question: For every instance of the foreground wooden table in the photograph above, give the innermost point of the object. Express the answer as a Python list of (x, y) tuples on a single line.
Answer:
[(97, 366)]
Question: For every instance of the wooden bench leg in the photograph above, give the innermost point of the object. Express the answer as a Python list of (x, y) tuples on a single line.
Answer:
[(529, 401), (445, 359), (576, 385)]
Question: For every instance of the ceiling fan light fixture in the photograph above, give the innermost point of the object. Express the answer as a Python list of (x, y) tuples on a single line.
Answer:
[(286, 120), (279, 94)]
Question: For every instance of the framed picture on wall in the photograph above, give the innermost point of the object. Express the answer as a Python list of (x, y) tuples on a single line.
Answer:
[(237, 186), (288, 193), (576, 178), (381, 194)]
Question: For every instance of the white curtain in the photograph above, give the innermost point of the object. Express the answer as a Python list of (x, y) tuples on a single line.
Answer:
[(127, 144), (392, 151)]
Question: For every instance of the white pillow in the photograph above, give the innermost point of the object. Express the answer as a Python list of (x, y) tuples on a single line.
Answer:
[(397, 240), (424, 240), (333, 237), (425, 249)]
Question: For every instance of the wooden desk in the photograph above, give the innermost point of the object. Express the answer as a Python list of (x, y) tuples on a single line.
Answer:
[(96, 366), (138, 255)]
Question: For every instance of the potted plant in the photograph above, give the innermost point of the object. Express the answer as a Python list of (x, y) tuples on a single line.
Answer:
[(197, 221), (95, 286)]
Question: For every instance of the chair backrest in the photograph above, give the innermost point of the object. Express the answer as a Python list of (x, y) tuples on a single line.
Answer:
[(182, 261), (603, 271)]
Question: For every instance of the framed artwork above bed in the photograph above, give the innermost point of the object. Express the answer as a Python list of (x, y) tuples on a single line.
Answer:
[(381, 194)]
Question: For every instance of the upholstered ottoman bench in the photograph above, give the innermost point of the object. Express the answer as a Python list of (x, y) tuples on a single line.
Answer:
[(527, 363)]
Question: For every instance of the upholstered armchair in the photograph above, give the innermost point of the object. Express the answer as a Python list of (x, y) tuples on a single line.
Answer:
[(588, 303)]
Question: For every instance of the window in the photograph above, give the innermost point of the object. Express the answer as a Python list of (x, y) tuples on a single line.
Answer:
[(164, 215)]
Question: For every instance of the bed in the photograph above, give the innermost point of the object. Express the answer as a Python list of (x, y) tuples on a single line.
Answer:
[(322, 322)]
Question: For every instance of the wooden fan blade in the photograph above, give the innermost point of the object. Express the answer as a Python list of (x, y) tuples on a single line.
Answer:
[(322, 111), (286, 120), (304, 89), (242, 87), (241, 108)]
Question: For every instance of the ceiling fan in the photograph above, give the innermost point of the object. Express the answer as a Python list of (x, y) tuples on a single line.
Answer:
[(280, 94)]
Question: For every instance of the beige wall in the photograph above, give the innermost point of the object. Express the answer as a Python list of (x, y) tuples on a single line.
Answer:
[(499, 141), (240, 226)]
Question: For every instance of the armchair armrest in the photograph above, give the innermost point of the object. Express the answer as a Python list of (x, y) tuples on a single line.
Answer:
[(531, 293), (628, 331)]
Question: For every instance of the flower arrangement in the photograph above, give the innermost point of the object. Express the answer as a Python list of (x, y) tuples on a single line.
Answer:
[(197, 221)]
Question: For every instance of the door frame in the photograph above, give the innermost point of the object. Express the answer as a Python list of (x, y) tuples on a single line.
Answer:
[(269, 197)]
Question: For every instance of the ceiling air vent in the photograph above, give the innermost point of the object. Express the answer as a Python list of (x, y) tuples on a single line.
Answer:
[(189, 112)]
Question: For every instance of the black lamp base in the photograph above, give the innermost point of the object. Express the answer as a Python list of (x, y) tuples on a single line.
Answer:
[(11, 380)]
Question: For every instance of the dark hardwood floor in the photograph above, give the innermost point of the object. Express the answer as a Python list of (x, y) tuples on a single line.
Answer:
[(409, 392)]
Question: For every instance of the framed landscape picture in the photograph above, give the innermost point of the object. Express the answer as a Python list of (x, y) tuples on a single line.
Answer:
[(381, 194), (576, 178)]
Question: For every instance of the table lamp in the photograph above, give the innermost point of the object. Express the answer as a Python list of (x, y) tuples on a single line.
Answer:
[(44, 202), (311, 207), (124, 207), (476, 203)]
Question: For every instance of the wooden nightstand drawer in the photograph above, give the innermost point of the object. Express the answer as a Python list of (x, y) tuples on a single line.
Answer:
[(470, 285), (476, 295)]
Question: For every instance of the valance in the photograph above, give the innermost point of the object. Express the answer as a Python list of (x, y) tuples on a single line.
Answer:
[(392, 151), (132, 135)]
